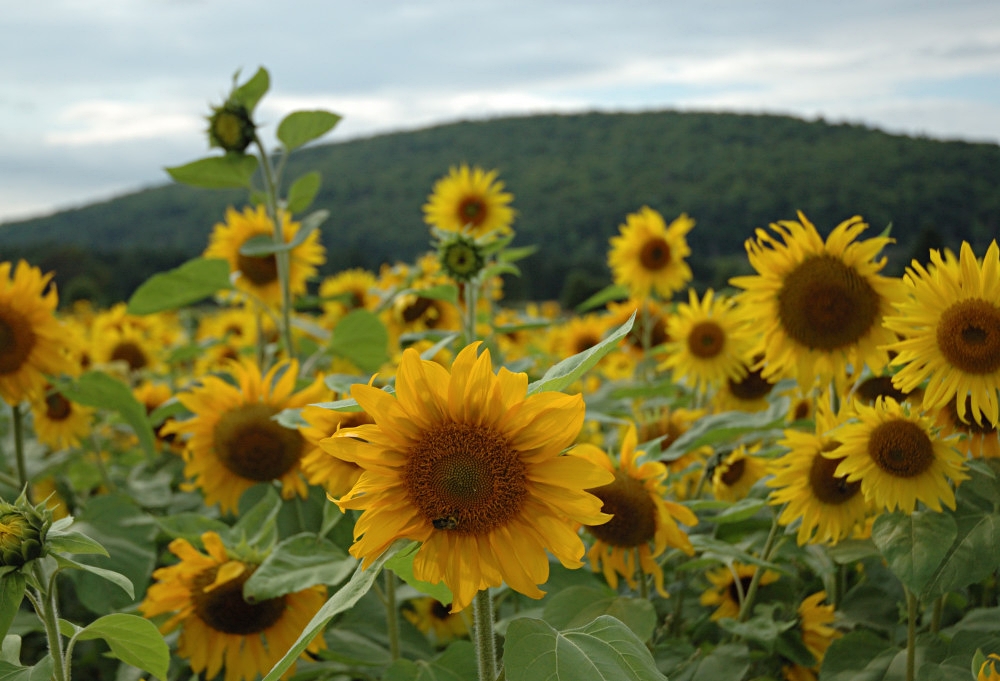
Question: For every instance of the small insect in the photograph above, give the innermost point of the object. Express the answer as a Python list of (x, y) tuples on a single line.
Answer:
[(447, 523)]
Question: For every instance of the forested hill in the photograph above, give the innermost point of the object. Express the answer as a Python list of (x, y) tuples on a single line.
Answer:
[(574, 179)]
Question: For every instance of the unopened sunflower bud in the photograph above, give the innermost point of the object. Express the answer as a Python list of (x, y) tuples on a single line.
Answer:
[(23, 528), (230, 127), (461, 258)]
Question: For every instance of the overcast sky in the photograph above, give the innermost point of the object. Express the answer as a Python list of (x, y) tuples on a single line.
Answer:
[(97, 96)]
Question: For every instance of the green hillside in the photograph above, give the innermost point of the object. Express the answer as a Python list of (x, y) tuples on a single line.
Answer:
[(574, 178)]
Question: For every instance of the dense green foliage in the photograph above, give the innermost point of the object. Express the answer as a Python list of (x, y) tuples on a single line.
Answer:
[(574, 178)]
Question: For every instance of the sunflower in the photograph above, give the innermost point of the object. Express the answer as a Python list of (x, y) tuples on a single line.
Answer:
[(643, 523), (468, 464), (204, 594), (819, 305), (898, 456), (828, 507), (817, 635), (348, 290), (335, 475), (710, 344), (978, 440), (127, 350), (470, 201), (152, 395), (259, 274), (31, 337), (729, 587), (990, 669), (234, 441), (749, 394), (59, 423), (738, 471), (435, 619), (650, 325), (950, 326), (648, 256)]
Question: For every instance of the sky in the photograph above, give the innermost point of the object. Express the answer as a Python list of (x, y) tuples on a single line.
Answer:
[(98, 96)]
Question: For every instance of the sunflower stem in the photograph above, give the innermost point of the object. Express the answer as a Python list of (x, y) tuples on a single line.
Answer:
[(911, 634), (281, 258), (391, 614), (482, 614), (643, 586), (747, 606), (471, 291), (49, 615), (22, 467), (936, 614)]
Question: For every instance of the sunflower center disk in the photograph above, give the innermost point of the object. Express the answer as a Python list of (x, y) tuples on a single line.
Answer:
[(824, 304), (972, 428), (734, 591), (472, 211), (752, 387), (968, 335), (57, 407), (707, 339), (633, 522), (16, 340), (224, 609), (131, 354), (655, 254), (466, 478), (260, 270), (734, 473), (826, 485), (901, 448), (252, 445)]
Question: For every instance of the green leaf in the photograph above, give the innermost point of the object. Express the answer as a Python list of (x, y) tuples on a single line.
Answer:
[(40, 672), (978, 535), (445, 292), (302, 192), (190, 526), (572, 368), (12, 587), (192, 281), (858, 656), (739, 511), (297, 563), (606, 295), (10, 649), (456, 663), (259, 507), (361, 337), (603, 650), (578, 605), (300, 127), (251, 91), (728, 662), (134, 640), (115, 578), (343, 599), (73, 542), (232, 171), (850, 551), (914, 545), (262, 245), (402, 565), (515, 254), (98, 389), (763, 628)]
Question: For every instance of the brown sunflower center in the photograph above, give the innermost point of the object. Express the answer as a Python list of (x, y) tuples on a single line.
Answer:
[(735, 591), (968, 335), (466, 478), (825, 304), (57, 407), (17, 338), (252, 445), (901, 448), (440, 611), (879, 386), (633, 521), (706, 340), (584, 341), (472, 211), (260, 270), (655, 254), (224, 609), (970, 428), (131, 354), (825, 484), (734, 472), (752, 387)]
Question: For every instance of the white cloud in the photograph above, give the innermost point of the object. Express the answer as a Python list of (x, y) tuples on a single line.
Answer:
[(102, 122)]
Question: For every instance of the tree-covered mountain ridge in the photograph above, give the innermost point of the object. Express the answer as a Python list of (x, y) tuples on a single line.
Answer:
[(574, 178)]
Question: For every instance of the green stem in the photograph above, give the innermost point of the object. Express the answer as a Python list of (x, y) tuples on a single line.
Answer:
[(22, 466), (471, 290), (392, 614), (643, 586), (747, 607), (50, 618), (281, 258), (486, 652), (936, 614), (911, 634)]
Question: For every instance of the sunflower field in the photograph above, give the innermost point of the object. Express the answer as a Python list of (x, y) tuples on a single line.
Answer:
[(250, 471)]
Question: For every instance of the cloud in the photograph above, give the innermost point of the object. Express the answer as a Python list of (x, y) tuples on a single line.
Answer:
[(102, 122)]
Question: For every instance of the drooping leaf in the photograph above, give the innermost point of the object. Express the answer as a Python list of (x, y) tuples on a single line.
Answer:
[(361, 337), (297, 563), (188, 283), (262, 245), (603, 650), (72, 541), (564, 373), (977, 535), (116, 578), (39, 672), (232, 171), (98, 389), (134, 640), (12, 587), (914, 544), (301, 127)]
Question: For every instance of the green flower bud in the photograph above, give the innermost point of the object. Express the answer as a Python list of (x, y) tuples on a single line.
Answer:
[(461, 258), (230, 127), (22, 531)]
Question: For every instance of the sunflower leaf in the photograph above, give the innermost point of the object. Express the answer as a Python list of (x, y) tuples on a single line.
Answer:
[(12, 586), (859, 654), (262, 245), (456, 663), (232, 171), (251, 91), (914, 544), (302, 192), (134, 640), (361, 337), (603, 650), (298, 563), (402, 565), (606, 295), (191, 282), (259, 507), (301, 127), (15, 672), (345, 597), (578, 605), (563, 374)]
